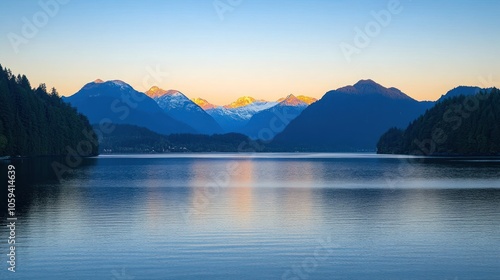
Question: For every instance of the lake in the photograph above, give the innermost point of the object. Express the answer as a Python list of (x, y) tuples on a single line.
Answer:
[(256, 216)]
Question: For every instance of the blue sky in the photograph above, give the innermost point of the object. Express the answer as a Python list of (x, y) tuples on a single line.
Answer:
[(266, 49)]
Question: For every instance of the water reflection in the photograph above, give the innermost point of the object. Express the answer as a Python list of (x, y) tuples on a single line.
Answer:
[(256, 217)]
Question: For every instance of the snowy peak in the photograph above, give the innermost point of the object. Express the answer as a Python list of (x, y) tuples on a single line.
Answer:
[(204, 104), (181, 108), (155, 92), (364, 87), (171, 99), (298, 100), (291, 100), (113, 83), (119, 83), (306, 99), (174, 92), (242, 102)]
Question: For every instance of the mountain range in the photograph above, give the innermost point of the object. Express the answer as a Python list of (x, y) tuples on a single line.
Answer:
[(361, 117), (350, 118), (233, 117), (249, 116), (117, 102), (170, 111)]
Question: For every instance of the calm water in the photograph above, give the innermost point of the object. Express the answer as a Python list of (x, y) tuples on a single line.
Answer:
[(278, 216)]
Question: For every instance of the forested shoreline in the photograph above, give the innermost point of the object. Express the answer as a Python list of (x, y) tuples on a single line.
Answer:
[(131, 139), (35, 122), (458, 126)]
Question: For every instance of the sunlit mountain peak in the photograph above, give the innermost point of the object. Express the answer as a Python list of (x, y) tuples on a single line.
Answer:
[(242, 102), (291, 100), (115, 83), (306, 99), (155, 92), (204, 104)]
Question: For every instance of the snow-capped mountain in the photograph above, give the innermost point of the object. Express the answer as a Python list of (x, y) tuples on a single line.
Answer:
[(266, 124), (181, 108), (170, 111), (243, 102), (246, 112), (302, 98), (171, 99), (118, 102), (100, 88), (233, 117), (291, 100), (205, 105)]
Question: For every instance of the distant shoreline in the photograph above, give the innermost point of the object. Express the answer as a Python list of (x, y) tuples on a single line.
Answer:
[(267, 153)]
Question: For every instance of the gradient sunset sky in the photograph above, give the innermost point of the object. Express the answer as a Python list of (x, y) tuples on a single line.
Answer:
[(265, 49)]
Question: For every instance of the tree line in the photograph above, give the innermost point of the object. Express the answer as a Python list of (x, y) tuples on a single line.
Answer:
[(134, 139), (462, 125), (35, 122)]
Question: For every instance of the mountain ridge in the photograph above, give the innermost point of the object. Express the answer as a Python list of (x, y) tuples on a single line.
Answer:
[(368, 86), (203, 103), (181, 108)]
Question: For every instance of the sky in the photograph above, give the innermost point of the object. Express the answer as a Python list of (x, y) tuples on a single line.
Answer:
[(223, 49)]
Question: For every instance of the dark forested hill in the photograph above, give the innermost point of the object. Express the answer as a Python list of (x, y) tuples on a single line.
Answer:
[(34, 122), (349, 119), (461, 125)]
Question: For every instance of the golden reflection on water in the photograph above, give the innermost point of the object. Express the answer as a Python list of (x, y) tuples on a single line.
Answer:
[(156, 212), (235, 179), (231, 193)]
